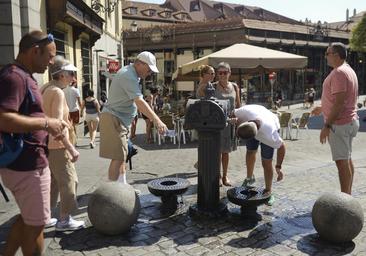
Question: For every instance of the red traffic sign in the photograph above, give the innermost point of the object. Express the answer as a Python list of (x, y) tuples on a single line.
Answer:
[(113, 66)]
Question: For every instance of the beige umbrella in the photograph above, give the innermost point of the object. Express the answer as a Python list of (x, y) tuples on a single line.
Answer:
[(247, 58)]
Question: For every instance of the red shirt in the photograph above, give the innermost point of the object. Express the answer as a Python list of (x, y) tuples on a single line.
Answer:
[(13, 90)]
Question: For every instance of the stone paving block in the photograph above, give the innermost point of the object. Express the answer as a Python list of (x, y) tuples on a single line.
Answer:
[(213, 245), (214, 252), (199, 250), (136, 252), (185, 247), (264, 253), (207, 240), (243, 251), (181, 254), (281, 250), (169, 251), (167, 244)]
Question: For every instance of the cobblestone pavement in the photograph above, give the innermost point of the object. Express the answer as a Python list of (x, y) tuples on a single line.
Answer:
[(286, 228)]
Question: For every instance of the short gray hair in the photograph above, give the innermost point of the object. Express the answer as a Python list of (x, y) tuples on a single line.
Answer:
[(340, 49), (224, 65), (56, 67)]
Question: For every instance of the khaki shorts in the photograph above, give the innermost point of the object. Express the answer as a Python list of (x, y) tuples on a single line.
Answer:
[(340, 140), (31, 190), (64, 180), (113, 138)]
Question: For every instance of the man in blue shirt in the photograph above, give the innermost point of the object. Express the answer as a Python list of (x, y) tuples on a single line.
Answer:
[(125, 98)]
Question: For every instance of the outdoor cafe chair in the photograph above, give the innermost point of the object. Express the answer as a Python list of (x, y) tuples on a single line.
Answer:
[(301, 123), (172, 129), (285, 124)]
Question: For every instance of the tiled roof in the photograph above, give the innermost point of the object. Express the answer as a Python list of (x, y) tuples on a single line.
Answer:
[(348, 25), (201, 10)]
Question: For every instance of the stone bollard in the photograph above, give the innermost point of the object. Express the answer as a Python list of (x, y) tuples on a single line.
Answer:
[(337, 217), (208, 118), (113, 208)]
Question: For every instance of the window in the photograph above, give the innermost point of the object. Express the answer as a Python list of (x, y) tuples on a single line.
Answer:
[(195, 6), (133, 10), (152, 12), (62, 46), (86, 61)]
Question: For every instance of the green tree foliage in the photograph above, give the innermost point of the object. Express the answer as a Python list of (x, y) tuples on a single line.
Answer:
[(358, 39)]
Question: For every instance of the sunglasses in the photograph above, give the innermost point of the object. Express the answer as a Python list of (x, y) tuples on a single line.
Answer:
[(48, 39), (223, 73), (212, 74)]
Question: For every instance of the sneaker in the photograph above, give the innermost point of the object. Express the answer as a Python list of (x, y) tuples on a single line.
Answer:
[(248, 181), (91, 145), (270, 200), (69, 225), (51, 223)]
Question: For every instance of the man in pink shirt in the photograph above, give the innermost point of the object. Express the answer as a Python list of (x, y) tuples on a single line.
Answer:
[(338, 105)]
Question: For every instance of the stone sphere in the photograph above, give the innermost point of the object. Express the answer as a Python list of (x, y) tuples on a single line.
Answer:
[(113, 208), (337, 217)]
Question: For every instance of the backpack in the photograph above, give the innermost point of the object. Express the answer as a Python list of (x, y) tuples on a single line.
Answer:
[(12, 144)]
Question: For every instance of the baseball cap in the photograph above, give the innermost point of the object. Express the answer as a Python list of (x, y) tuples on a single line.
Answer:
[(149, 59)]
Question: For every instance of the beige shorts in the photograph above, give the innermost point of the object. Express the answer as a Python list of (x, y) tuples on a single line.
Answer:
[(113, 138), (64, 180), (340, 140)]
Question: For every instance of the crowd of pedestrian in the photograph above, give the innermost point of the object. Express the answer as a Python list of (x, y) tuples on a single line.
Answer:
[(45, 170)]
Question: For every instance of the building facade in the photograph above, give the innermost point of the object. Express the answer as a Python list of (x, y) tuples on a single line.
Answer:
[(207, 28), (88, 33)]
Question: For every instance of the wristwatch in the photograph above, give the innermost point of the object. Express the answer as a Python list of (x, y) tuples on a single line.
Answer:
[(329, 126)]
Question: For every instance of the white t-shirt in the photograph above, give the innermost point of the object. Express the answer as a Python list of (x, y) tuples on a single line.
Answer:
[(268, 130), (71, 95)]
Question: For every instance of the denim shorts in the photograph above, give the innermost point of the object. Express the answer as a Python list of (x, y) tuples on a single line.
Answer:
[(266, 151)]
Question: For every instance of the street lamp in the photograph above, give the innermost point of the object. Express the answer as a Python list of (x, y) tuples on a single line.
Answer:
[(97, 6)]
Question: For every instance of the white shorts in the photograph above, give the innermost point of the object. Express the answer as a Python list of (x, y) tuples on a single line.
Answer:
[(340, 140), (92, 117)]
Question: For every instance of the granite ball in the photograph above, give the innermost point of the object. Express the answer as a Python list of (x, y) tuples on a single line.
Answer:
[(113, 208), (337, 217)]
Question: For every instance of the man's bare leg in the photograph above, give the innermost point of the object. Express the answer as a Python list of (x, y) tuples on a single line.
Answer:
[(114, 169), (250, 162), (345, 172), (268, 174), (29, 238)]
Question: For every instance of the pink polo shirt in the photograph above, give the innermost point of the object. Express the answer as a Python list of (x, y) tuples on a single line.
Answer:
[(341, 79)]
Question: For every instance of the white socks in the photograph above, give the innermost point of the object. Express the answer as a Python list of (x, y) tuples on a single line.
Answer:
[(122, 178)]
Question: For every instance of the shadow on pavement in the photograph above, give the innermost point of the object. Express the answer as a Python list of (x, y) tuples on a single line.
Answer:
[(296, 228), (312, 243)]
